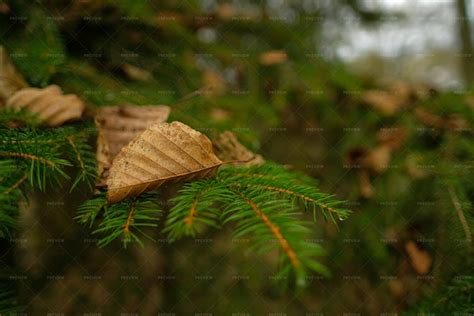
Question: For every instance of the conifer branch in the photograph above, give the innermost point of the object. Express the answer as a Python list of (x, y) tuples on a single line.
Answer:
[(28, 157), (274, 229), (126, 226), (194, 207), (263, 208), (188, 220), (16, 184), (70, 140), (126, 219)]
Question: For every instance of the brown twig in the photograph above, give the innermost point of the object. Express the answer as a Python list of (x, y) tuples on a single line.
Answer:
[(462, 218)]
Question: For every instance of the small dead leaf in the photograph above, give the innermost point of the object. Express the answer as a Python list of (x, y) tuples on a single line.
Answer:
[(428, 118), (164, 153), (118, 126), (225, 11), (219, 115), (396, 288), (229, 149), (4, 8), (214, 82), (378, 159), (10, 79), (165, 18), (414, 169), (392, 137), (273, 57), (423, 91), (420, 259), (136, 73), (365, 186), (402, 90), (452, 123), (50, 104), (383, 102), (456, 123)]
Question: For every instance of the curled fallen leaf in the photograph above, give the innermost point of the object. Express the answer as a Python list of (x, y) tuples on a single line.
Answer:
[(273, 57), (119, 125), (164, 153), (420, 259), (369, 162), (10, 79), (414, 167), (51, 106), (136, 73), (378, 159), (229, 149), (384, 102), (365, 186), (392, 137), (4, 8), (396, 288), (215, 82), (220, 115), (225, 11), (452, 123)]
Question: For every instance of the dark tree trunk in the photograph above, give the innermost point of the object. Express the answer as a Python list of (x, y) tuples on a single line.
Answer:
[(467, 63)]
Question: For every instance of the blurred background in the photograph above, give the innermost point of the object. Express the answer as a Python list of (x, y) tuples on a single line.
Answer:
[(372, 98)]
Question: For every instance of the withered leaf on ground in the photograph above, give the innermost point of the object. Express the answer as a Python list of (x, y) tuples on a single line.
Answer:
[(383, 102), (365, 186), (136, 73), (50, 104), (10, 79), (273, 57), (420, 259), (393, 137), (215, 83), (164, 153), (229, 149), (452, 123), (378, 159), (118, 126)]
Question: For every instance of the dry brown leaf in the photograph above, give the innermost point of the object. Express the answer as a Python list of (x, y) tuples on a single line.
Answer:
[(214, 82), (219, 115), (423, 91), (118, 126), (136, 73), (392, 137), (225, 11), (229, 149), (10, 79), (50, 104), (428, 118), (273, 57), (165, 18), (164, 153), (4, 8), (383, 102), (416, 168), (453, 123), (365, 186), (401, 89), (396, 288), (378, 159), (420, 259)]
